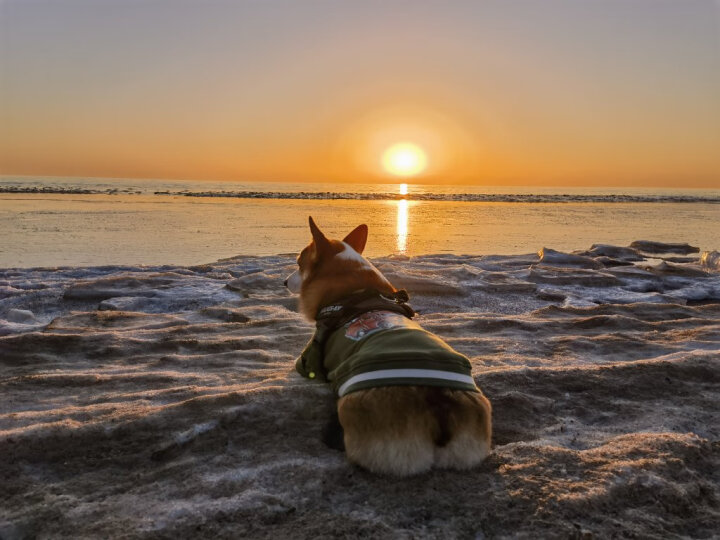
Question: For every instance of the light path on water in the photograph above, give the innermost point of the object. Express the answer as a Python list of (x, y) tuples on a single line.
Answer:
[(79, 230)]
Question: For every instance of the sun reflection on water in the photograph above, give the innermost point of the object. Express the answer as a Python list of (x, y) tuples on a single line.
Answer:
[(402, 225)]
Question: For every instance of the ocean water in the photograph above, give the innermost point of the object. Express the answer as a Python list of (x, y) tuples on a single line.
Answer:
[(86, 222)]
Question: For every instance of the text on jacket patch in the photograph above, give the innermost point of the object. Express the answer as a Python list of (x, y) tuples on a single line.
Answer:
[(374, 321)]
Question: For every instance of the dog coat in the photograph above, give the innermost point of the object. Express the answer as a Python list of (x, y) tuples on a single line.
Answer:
[(380, 347)]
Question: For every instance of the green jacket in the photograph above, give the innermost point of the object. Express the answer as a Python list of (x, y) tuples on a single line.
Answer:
[(383, 348)]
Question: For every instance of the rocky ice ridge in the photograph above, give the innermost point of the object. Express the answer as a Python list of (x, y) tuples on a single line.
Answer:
[(161, 401), (9, 187)]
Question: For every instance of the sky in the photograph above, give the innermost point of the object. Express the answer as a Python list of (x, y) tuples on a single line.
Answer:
[(547, 93)]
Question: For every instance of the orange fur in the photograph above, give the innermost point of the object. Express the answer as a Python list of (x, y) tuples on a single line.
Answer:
[(398, 430), (404, 430), (329, 278)]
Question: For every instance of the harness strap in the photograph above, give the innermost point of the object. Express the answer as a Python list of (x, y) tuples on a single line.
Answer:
[(338, 314), (366, 300)]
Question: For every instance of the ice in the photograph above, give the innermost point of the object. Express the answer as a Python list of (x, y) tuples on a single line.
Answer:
[(711, 260), (162, 401), (615, 252), (20, 316), (647, 246), (552, 257), (195, 190), (564, 276)]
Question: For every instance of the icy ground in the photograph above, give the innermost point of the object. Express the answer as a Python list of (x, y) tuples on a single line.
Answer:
[(161, 402)]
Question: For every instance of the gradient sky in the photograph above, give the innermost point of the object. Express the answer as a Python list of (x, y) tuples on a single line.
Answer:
[(575, 93)]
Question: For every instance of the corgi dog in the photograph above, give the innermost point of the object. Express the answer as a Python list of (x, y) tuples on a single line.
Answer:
[(406, 399)]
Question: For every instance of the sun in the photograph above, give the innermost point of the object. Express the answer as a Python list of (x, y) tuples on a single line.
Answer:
[(404, 159)]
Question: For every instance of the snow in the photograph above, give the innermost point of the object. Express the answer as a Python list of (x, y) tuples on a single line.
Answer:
[(162, 401)]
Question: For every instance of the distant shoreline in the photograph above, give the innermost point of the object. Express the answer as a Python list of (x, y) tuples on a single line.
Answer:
[(335, 195)]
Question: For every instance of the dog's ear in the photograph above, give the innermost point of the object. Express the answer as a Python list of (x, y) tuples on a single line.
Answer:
[(358, 238), (322, 244)]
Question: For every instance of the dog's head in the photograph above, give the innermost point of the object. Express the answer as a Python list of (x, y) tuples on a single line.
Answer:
[(329, 270)]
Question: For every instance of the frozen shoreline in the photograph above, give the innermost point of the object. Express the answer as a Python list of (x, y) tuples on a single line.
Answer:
[(161, 401), (374, 196)]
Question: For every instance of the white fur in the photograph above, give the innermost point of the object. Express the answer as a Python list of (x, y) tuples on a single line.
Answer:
[(402, 456), (464, 451), (294, 282), (349, 254)]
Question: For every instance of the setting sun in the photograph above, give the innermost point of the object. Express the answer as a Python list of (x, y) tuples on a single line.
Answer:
[(404, 159)]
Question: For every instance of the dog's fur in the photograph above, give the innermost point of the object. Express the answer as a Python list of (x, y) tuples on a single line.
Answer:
[(399, 430)]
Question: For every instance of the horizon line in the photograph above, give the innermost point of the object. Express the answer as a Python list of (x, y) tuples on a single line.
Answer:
[(4, 177)]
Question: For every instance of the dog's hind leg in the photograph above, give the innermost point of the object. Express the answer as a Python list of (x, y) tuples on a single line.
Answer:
[(469, 425), (388, 430)]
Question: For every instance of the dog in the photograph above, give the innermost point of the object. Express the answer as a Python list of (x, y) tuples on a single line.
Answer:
[(406, 400)]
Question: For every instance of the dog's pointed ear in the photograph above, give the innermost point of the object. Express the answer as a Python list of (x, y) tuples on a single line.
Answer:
[(358, 238), (321, 242)]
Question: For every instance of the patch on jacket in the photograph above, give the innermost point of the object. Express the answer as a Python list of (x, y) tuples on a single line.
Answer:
[(374, 321)]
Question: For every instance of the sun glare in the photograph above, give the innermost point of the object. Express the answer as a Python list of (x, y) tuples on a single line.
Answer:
[(404, 159)]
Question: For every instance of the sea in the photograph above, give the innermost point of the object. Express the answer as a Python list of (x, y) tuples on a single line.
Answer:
[(49, 222)]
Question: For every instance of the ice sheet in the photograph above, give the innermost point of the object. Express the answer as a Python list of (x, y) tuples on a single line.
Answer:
[(162, 401)]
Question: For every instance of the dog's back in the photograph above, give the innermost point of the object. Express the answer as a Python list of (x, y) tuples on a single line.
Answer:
[(395, 428)]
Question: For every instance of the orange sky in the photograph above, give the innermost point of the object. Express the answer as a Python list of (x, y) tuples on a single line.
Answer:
[(500, 93)]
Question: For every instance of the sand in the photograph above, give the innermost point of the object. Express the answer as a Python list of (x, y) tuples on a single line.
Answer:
[(161, 402)]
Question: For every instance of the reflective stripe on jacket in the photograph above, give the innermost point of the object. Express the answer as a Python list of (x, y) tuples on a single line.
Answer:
[(383, 348)]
